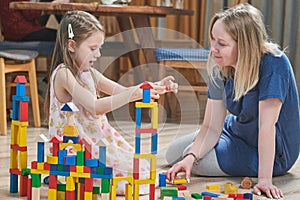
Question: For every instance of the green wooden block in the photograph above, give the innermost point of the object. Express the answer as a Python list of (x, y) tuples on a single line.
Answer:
[(61, 187), (60, 167), (96, 190), (100, 170), (105, 185), (36, 180), (25, 172), (196, 196), (168, 192), (80, 158)]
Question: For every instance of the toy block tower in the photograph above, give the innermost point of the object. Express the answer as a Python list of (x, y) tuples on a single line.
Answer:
[(18, 147), (145, 104)]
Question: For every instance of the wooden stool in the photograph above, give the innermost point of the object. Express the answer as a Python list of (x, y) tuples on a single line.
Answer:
[(191, 59), (12, 61)]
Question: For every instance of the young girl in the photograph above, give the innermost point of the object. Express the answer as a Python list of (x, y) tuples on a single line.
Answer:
[(73, 78)]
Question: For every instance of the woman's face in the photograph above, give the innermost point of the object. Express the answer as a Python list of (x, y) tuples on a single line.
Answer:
[(223, 46), (88, 51)]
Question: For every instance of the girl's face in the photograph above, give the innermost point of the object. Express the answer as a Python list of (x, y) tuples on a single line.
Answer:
[(223, 46), (88, 51)]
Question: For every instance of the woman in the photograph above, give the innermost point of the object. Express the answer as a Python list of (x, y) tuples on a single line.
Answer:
[(252, 80)]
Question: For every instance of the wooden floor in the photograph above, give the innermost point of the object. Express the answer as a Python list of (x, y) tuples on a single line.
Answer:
[(289, 183)]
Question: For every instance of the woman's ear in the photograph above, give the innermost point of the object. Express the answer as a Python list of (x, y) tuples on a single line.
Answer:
[(71, 45)]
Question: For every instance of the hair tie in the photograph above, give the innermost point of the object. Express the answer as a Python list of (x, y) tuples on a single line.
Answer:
[(70, 32)]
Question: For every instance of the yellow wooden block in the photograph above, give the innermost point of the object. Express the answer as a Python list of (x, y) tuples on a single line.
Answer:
[(78, 147), (136, 191), (113, 192), (22, 139), (70, 183), (14, 133), (40, 165), (143, 181), (180, 181), (95, 197), (14, 159), (39, 171), (155, 117), (88, 195), (52, 159), (213, 187), (70, 130), (115, 180), (128, 192), (52, 194), (80, 175), (23, 160), (229, 188), (61, 195), (145, 105), (18, 123), (79, 169)]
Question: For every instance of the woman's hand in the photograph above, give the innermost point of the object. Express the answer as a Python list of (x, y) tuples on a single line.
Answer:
[(266, 186), (167, 84), (184, 165)]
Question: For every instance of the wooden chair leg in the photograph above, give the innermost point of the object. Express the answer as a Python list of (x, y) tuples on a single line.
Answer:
[(34, 94), (3, 122)]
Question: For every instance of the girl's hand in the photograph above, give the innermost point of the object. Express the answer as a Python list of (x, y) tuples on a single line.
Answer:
[(167, 84), (184, 165), (266, 186), (137, 93)]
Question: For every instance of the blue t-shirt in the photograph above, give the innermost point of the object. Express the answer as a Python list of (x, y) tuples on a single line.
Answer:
[(237, 148)]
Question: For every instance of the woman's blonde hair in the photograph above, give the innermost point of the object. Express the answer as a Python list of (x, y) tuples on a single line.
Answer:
[(245, 25), (83, 25)]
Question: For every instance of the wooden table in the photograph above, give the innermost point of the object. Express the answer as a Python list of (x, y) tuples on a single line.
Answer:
[(138, 15)]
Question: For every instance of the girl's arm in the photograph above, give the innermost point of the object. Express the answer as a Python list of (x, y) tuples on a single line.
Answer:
[(67, 88), (206, 139), (269, 110)]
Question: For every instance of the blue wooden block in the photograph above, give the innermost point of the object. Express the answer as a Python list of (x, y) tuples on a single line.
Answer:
[(102, 156), (108, 170), (137, 143), (91, 162), (53, 167), (209, 194), (21, 98), (13, 183), (15, 110), (146, 95), (154, 143), (248, 196), (138, 117), (70, 160), (162, 180), (74, 139), (40, 152), (61, 156), (20, 89)]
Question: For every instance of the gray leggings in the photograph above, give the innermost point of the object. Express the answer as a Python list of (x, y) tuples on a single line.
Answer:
[(207, 166)]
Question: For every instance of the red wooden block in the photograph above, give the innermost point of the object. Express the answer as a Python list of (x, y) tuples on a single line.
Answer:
[(181, 187), (29, 193), (52, 182), (82, 191), (87, 169), (72, 168), (207, 198), (46, 166), (34, 165), (152, 192), (23, 111), (70, 194), (23, 185), (136, 168), (88, 185)]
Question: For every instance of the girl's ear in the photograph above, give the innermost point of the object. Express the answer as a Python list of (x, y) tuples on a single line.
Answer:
[(71, 45)]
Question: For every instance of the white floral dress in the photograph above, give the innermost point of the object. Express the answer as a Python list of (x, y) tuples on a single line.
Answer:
[(119, 154)]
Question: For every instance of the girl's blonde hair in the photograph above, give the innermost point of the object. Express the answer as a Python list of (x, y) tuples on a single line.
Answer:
[(245, 25), (83, 25)]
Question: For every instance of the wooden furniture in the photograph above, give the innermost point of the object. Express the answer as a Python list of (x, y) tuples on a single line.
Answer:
[(131, 19), (191, 60), (12, 61)]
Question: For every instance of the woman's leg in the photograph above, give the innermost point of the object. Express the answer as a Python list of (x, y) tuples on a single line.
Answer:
[(207, 166)]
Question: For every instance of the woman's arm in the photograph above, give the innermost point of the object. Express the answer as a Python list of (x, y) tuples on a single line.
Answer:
[(206, 139), (269, 110)]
